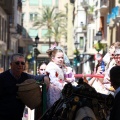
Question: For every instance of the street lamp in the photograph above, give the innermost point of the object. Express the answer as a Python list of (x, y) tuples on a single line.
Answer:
[(76, 44), (76, 53), (36, 52), (36, 40), (98, 46), (99, 36)]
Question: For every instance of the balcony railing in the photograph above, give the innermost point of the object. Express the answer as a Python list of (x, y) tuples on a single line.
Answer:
[(104, 6)]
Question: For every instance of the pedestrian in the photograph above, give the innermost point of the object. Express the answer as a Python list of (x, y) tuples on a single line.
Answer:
[(97, 82), (11, 107), (41, 68), (55, 69), (115, 82), (38, 110)]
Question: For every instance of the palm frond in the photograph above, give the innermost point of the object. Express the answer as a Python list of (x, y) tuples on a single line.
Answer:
[(54, 21)]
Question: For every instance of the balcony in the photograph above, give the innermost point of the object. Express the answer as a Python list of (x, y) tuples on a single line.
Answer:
[(104, 6)]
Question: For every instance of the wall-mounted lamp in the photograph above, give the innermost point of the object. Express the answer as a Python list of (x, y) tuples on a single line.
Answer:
[(76, 44), (36, 40), (98, 36)]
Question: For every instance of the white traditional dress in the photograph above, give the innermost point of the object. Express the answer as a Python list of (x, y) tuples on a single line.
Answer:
[(57, 82)]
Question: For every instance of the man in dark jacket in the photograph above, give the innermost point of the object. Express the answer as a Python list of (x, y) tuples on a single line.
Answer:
[(115, 82), (11, 107)]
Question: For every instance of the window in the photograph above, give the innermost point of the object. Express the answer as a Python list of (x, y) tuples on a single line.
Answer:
[(44, 48), (44, 31), (33, 33), (47, 2), (34, 2), (81, 42), (33, 16)]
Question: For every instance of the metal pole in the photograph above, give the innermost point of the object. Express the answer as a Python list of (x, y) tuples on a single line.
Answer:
[(34, 65), (35, 59), (76, 67), (36, 62), (77, 61)]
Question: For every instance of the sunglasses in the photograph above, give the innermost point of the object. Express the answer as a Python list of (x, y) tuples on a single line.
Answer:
[(116, 56), (18, 63)]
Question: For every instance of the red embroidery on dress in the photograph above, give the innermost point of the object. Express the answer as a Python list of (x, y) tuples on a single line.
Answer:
[(56, 74)]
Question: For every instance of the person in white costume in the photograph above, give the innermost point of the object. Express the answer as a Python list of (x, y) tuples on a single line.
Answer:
[(56, 70)]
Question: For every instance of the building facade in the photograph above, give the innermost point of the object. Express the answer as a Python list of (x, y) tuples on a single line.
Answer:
[(31, 9), (90, 16)]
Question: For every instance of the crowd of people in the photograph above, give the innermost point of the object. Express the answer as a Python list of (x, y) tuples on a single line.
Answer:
[(110, 84), (55, 75), (110, 60)]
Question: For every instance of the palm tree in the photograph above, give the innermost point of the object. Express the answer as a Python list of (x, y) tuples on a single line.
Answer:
[(49, 18), (57, 32)]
